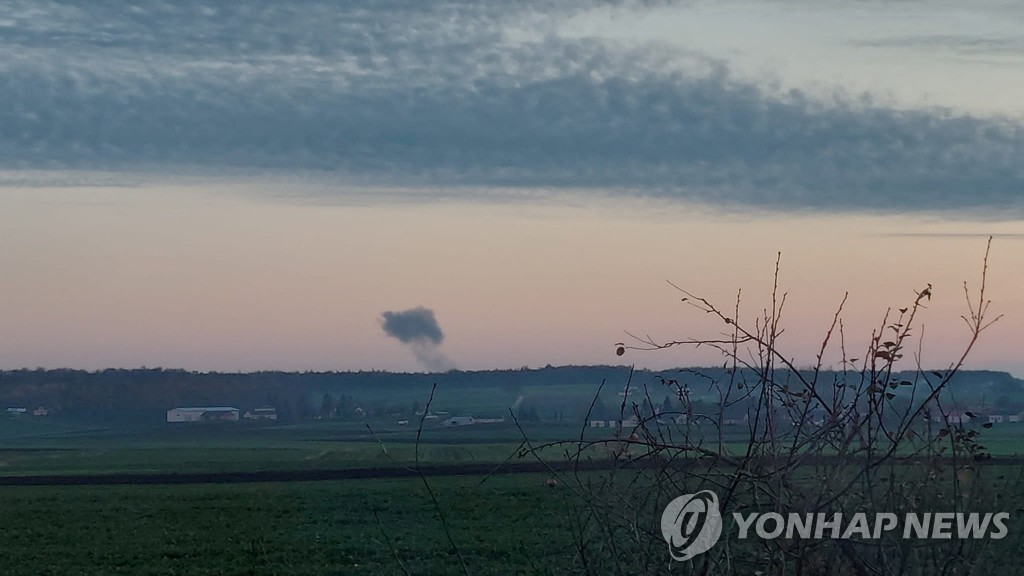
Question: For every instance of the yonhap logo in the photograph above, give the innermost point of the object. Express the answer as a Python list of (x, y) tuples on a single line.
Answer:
[(691, 524)]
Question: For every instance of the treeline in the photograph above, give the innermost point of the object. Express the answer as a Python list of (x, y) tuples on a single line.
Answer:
[(136, 395)]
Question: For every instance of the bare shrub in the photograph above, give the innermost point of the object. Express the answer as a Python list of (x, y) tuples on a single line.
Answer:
[(872, 435)]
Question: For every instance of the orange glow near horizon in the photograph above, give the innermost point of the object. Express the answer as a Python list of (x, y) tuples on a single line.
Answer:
[(185, 277)]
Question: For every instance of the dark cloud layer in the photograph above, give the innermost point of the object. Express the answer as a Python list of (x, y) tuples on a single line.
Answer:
[(448, 93)]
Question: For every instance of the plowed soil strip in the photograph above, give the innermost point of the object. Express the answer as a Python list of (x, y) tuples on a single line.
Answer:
[(366, 473)]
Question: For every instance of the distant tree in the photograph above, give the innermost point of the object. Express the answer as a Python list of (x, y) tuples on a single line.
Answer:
[(528, 413), (345, 407), (284, 409), (328, 407), (601, 411), (303, 408), (666, 406), (647, 409)]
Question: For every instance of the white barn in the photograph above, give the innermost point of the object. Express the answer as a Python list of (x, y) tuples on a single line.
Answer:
[(203, 414), (458, 421)]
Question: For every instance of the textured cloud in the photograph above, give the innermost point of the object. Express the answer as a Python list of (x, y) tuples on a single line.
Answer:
[(415, 93), (965, 44)]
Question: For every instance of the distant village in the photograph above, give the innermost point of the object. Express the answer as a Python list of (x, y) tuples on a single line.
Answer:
[(208, 414), (162, 396), (232, 414), (549, 394)]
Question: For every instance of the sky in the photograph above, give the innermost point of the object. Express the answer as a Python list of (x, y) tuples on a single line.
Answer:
[(263, 185)]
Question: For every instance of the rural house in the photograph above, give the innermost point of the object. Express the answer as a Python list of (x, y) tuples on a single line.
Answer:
[(203, 414)]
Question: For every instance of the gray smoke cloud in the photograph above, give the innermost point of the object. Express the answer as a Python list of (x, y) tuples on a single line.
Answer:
[(418, 328)]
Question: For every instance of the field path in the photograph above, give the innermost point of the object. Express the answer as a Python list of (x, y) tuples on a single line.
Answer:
[(316, 475), (295, 475)]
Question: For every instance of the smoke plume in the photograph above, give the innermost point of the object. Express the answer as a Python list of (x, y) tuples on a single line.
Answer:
[(418, 328)]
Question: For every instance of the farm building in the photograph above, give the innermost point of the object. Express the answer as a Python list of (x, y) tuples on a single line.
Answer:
[(488, 420), (458, 421), (203, 414), (467, 420), (261, 414), (613, 423), (952, 417)]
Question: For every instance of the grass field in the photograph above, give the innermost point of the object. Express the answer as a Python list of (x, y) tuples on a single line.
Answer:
[(52, 446), (512, 524), (507, 525), (31, 448)]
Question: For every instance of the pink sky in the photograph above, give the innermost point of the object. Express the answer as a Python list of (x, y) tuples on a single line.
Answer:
[(222, 278), (239, 187)]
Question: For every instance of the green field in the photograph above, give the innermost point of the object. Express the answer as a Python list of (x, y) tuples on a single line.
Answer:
[(501, 524), (52, 446), (30, 447), (512, 524), (507, 525)]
